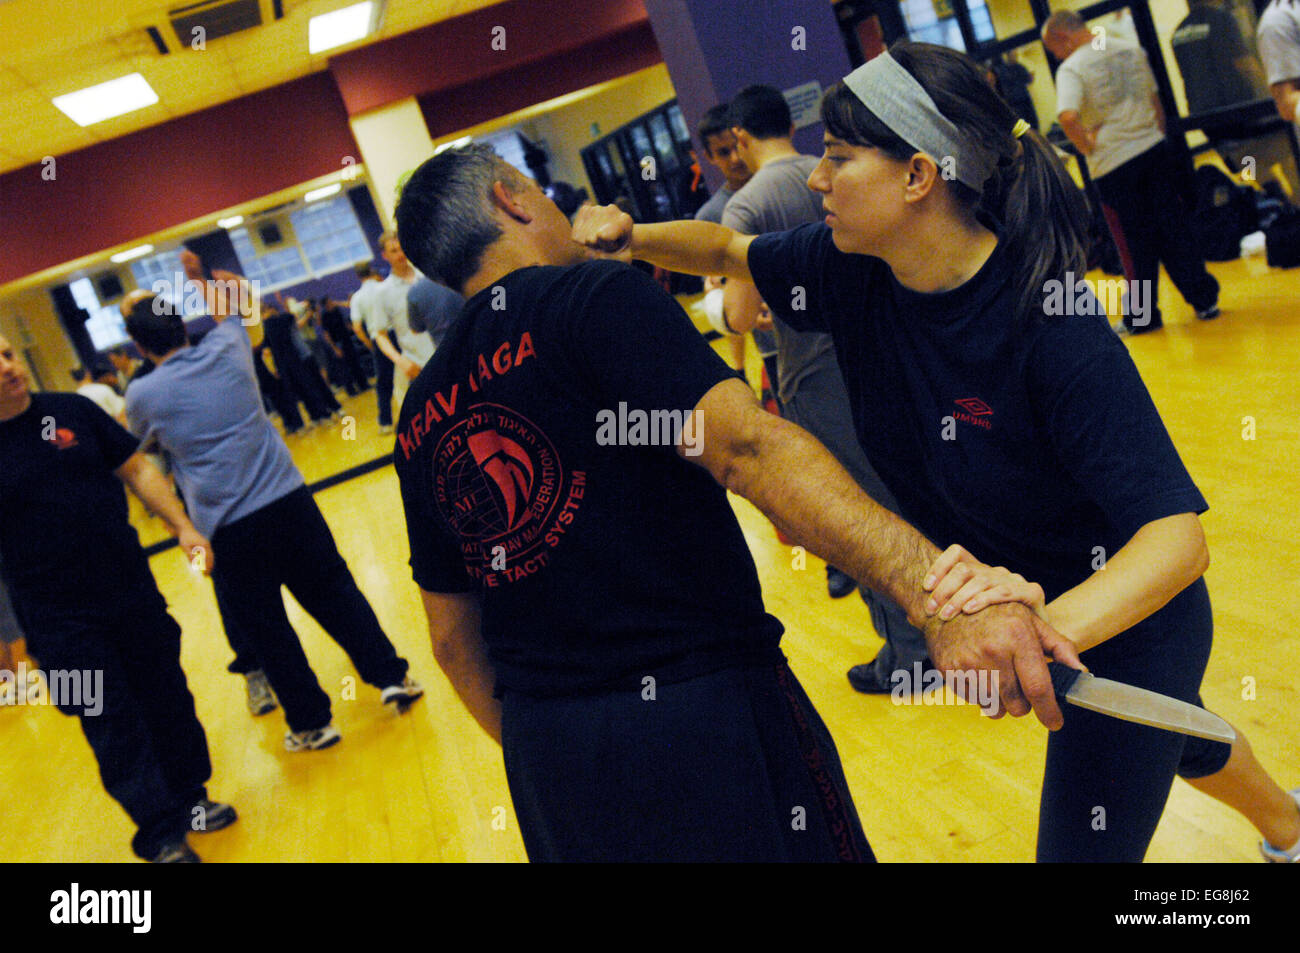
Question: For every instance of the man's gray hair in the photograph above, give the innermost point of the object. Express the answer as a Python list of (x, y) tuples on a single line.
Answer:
[(445, 214), (1063, 23)]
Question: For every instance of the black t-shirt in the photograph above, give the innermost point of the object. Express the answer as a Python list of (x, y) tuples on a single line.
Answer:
[(1207, 45), (64, 535), (277, 331), (332, 321), (620, 561), (1034, 443)]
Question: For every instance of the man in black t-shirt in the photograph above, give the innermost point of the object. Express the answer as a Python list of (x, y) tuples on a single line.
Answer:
[(589, 592), (92, 613)]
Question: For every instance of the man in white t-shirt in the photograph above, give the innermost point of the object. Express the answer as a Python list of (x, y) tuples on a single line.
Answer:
[(364, 307), (1108, 104), (1279, 48), (108, 399), (417, 347)]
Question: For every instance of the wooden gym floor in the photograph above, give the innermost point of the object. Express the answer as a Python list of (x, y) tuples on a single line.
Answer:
[(931, 783)]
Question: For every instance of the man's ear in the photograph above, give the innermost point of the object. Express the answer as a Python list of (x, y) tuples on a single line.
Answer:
[(509, 203), (921, 175)]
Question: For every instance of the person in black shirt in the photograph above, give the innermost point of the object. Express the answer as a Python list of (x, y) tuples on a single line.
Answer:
[(999, 418), (338, 332), (589, 591), (82, 590)]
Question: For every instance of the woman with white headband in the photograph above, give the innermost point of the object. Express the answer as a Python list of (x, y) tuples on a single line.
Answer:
[(1003, 412)]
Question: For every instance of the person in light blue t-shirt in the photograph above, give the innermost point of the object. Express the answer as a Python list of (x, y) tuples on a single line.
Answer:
[(201, 405)]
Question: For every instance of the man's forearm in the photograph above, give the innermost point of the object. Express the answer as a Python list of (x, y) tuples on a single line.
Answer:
[(152, 488), (802, 488), (455, 629), (385, 344), (1074, 129)]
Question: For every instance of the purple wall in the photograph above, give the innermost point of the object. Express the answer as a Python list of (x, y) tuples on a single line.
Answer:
[(714, 48)]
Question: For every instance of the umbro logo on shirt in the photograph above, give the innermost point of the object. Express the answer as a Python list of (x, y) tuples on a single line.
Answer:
[(64, 438), (974, 411), (975, 406)]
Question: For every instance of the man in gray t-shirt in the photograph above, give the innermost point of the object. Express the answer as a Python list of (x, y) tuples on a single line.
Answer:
[(812, 389), (202, 405)]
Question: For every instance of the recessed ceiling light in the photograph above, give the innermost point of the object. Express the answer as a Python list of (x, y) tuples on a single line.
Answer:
[(333, 29), (94, 104), (323, 192), (138, 251), (233, 222)]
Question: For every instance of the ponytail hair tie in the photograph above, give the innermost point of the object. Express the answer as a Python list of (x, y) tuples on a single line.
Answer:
[(1020, 128)]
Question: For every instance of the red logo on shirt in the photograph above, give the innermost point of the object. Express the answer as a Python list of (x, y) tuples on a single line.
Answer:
[(975, 406), (974, 411), (64, 438)]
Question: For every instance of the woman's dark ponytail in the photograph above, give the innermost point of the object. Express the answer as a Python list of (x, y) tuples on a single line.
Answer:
[(1042, 211)]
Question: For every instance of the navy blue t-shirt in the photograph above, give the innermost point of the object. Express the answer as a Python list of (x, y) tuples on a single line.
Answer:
[(601, 555), (65, 541), (1033, 443)]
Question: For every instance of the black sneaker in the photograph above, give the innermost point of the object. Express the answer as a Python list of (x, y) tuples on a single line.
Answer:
[(177, 853), (207, 816), (1210, 313), (1125, 330), (839, 584), (864, 679)]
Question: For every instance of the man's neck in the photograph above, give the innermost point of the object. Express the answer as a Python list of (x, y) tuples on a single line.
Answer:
[(767, 151), (735, 185), (159, 359), (406, 274), (505, 256), (9, 409)]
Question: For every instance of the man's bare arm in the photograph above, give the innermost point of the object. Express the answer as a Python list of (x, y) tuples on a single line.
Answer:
[(741, 304), (152, 488), (456, 633), (1084, 139), (795, 481), (1287, 96)]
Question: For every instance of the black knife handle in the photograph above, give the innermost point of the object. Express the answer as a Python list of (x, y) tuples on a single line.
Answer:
[(1063, 677)]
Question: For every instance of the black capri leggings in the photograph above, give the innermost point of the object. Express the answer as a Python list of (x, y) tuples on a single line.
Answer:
[(1107, 780)]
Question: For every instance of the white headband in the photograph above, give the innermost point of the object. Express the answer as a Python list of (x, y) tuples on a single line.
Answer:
[(896, 98)]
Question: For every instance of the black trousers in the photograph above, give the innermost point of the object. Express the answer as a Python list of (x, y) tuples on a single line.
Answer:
[(1106, 780), (351, 374), (287, 543), (735, 765), (384, 383), (1156, 227), (152, 751), (312, 378), (302, 381)]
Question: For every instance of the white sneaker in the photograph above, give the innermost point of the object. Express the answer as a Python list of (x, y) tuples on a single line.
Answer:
[(386, 428), (313, 740), (402, 696), (1275, 856)]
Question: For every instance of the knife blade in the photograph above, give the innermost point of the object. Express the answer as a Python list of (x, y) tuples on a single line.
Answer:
[(1138, 705)]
